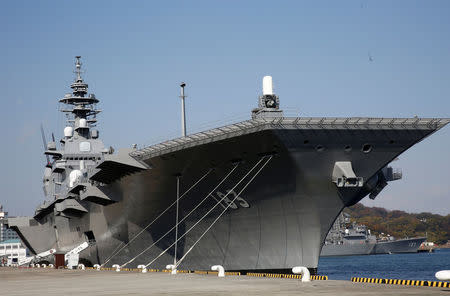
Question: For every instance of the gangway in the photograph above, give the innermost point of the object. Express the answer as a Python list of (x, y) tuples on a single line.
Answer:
[(27, 260), (76, 250)]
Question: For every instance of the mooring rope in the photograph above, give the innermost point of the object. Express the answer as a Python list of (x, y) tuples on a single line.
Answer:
[(120, 244), (146, 227), (163, 252), (203, 200), (224, 210)]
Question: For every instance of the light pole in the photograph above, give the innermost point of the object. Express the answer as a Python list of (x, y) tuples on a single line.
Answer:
[(174, 270), (183, 112)]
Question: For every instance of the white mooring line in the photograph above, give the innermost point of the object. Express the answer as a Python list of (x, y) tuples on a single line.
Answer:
[(229, 204), (154, 220), (184, 218)]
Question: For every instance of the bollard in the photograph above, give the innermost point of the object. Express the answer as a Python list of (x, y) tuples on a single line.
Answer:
[(117, 267), (37, 265), (173, 268), (44, 265), (443, 275), (81, 266), (97, 266), (51, 266), (143, 268), (220, 269), (306, 276)]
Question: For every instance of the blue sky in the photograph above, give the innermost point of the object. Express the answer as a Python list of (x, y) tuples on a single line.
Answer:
[(135, 53)]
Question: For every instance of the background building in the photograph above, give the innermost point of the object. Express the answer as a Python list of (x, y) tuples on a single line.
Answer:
[(11, 248), (11, 252), (5, 233)]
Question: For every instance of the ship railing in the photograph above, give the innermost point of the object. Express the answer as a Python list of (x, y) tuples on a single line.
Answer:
[(242, 127), (236, 118), (208, 131)]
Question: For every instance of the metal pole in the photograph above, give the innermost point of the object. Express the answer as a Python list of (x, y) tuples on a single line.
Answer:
[(176, 224), (183, 113)]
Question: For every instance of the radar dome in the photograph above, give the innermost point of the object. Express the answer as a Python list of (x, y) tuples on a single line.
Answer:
[(68, 131), (74, 176), (83, 123), (267, 85)]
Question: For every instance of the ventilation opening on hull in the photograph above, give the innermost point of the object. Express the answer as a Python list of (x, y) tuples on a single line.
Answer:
[(90, 237), (366, 148), (320, 148)]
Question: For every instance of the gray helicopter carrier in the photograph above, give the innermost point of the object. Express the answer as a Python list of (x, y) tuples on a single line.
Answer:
[(260, 194)]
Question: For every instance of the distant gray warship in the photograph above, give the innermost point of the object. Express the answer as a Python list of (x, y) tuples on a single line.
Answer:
[(260, 194), (348, 239), (343, 240), (395, 246)]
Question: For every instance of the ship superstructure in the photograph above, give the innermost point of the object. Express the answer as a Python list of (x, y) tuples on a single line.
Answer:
[(260, 194)]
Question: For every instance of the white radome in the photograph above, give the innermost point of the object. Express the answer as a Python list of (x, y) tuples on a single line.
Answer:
[(83, 123), (267, 85), (68, 131)]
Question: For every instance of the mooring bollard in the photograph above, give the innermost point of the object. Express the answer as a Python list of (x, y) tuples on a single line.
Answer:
[(220, 269), (173, 268), (81, 266), (142, 268), (117, 267), (306, 276), (443, 275), (97, 266)]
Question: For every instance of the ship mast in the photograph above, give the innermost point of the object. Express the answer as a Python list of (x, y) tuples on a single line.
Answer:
[(79, 106), (183, 112)]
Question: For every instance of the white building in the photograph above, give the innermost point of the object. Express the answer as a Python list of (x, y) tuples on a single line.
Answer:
[(5, 233), (11, 251)]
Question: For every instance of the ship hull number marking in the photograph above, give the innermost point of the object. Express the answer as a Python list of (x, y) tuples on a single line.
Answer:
[(228, 200)]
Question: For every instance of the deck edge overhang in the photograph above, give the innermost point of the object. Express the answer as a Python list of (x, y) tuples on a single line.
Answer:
[(300, 123)]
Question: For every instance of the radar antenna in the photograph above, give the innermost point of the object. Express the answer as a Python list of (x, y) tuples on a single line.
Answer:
[(49, 164), (78, 68)]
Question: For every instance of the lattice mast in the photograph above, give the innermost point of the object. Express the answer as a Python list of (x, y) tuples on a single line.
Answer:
[(80, 108)]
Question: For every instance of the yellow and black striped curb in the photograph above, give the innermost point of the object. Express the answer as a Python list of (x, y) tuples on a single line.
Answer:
[(215, 272), (164, 270), (205, 272), (136, 269), (401, 282), (287, 276)]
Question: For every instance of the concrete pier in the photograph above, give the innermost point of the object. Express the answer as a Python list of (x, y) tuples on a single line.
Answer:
[(15, 281)]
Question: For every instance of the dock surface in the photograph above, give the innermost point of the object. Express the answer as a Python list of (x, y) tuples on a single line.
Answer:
[(15, 281)]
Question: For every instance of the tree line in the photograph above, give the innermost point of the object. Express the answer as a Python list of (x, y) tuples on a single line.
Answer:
[(401, 224)]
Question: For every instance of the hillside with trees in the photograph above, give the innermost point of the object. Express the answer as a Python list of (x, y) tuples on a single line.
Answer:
[(401, 224)]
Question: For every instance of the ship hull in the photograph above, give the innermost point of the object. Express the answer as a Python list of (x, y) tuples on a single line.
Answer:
[(363, 248), (409, 245), (280, 221)]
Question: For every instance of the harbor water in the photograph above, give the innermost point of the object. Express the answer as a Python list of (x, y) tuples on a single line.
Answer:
[(412, 266)]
